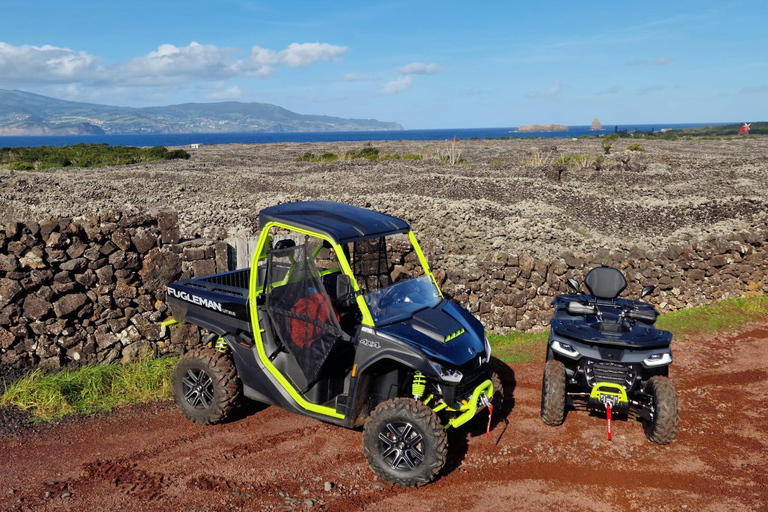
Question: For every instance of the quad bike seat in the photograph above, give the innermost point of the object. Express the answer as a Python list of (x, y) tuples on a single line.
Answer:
[(605, 282)]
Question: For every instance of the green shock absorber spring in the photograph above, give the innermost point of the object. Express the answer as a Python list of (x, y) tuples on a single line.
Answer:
[(221, 345), (419, 385)]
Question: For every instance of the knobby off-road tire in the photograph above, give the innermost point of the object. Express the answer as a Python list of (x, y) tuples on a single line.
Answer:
[(206, 386), (553, 393), (663, 428), (404, 442)]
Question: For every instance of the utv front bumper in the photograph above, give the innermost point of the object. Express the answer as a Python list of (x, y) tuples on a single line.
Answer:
[(470, 406)]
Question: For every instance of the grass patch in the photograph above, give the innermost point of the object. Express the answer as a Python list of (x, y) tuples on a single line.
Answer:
[(726, 315), (82, 155), (372, 154), (91, 388), (519, 347)]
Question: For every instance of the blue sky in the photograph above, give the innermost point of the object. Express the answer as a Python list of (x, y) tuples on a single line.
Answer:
[(422, 64)]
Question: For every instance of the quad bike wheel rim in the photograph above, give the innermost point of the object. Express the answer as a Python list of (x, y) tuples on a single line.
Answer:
[(198, 389), (401, 446)]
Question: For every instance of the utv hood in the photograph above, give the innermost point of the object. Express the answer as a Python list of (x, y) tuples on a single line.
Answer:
[(447, 332)]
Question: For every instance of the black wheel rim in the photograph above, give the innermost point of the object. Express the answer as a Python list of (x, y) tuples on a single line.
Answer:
[(401, 446), (198, 389)]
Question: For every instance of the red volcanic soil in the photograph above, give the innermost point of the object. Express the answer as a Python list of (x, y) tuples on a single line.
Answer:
[(150, 458)]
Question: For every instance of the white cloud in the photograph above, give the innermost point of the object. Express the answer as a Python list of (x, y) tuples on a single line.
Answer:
[(296, 55), (551, 91), (229, 93), (349, 77), (44, 64), (167, 65), (173, 64), (658, 61), (419, 68), (614, 89), (397, 85), (652, 89)]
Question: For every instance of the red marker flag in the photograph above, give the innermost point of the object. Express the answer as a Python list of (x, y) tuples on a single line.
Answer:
[(744, 129)]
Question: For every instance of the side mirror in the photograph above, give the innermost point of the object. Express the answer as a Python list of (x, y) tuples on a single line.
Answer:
[(574, 284), (344, 288), (647, 290)]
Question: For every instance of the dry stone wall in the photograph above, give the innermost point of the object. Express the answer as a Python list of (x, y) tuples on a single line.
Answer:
[(510, 291), (92, 289)]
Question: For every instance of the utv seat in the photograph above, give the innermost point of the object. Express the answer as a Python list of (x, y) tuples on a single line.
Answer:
[(605, 282)]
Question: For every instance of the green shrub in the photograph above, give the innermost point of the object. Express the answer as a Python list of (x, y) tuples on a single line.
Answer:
[(307, 157), (412, 156), (82, 155), (607, 142), (329, 157), (635, 147)]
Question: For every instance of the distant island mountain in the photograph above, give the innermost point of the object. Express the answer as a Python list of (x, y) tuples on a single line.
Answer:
[(24, 113), (543, 128), (596, 125)]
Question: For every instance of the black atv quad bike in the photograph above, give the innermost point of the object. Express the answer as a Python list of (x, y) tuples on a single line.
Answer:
[(604, 353), (338, 318)]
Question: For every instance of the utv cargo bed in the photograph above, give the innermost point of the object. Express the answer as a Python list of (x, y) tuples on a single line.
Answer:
[(218, 303)]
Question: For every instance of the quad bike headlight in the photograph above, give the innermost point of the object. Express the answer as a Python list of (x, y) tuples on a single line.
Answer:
[(565, 349), (658, 359), (447, 374), (487, 349)]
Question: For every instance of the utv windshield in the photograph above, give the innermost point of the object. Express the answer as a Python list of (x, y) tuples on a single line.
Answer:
[(402, 300), (391, 278)]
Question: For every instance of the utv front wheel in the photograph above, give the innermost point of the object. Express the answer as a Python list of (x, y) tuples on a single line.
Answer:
[(553, 393), (205, 386), (662, 429), (404, 442)]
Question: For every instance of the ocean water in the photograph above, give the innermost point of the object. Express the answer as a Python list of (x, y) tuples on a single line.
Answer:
[(183, 139)]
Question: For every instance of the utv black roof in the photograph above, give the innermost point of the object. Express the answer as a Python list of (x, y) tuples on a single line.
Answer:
[(342, 222)]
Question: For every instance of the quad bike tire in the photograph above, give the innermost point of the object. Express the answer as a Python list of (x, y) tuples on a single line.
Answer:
[(404, 442), (206, 386), (663, 428), (553, 393)]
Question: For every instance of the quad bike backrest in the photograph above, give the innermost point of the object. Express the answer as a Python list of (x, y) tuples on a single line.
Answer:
[(605, 282)]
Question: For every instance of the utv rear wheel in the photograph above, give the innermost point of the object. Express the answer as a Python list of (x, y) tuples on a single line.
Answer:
[(404, 442), (663, 427), (553, 393), (205, 386)]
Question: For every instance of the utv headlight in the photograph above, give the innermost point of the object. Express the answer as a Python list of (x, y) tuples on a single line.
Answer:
[(565, 349), (447, 374), (487, 349), (658, 359)]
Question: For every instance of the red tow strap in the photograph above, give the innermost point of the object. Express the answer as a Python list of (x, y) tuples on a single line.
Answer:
[(488, 428), (608, 415)]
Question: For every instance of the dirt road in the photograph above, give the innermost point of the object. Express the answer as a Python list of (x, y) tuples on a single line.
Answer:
[(150, 458)]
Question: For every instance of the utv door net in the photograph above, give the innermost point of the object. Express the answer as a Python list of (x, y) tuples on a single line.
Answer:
[(299, 308)]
